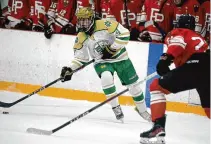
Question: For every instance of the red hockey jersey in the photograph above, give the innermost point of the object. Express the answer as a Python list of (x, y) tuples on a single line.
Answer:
[(182, 43), (193, 8), (83, 3), (38, 10), (126, 12), (18, 9), (206, 12), (65, 13), (160, 11)]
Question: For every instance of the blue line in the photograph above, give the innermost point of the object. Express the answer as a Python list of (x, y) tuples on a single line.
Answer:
[(155, 50)]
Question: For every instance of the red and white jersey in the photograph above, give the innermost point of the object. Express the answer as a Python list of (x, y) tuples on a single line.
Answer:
[(52, 9), (182, 43), (38, 10), (65, 13), (104, 5), (206, 12), (83, 3), (193, 8), (160, 11), (128, 16), (18, 9), (94, 4)]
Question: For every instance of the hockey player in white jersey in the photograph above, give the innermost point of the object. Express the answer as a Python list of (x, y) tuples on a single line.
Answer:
[(105, 41)]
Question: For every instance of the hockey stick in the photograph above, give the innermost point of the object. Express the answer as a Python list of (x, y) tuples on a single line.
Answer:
[(7, 105), (49, 132)]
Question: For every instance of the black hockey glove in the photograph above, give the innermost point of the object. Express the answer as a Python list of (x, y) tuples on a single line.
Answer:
[(144, 36), (134, 34), (2, 21), (66, 74), (107, 52), (68, 29), (28, 23), (25, 24), (164, 63), (38, 28), (48, 31)]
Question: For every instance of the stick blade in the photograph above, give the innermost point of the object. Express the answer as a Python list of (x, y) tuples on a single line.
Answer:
[(39, 131), (5, 105)]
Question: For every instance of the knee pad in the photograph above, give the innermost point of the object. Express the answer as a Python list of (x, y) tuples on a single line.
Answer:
[(154, 86), (107, 80), (135, 89)]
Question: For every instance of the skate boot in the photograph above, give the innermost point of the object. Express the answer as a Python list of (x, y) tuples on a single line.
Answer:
[(156, 134), (118, 113), (145, 115)]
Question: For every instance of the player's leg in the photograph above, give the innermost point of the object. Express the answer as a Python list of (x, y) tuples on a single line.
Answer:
[(105, 72), (203, 87), (204, 94), (177, 80), (182, 78), (129, 77)]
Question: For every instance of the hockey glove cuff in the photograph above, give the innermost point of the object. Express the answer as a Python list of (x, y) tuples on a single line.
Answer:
[(164, 63), (144, 36), (68, 29), (66, 74)]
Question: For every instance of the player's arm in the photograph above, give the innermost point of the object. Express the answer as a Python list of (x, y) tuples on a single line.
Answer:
[(176, 46), (122, 36), (81, 57)]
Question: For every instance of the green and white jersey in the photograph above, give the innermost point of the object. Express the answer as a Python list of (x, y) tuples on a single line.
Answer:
[(106, 33)]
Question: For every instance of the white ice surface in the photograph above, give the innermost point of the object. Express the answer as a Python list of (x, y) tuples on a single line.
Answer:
[(98, 127)]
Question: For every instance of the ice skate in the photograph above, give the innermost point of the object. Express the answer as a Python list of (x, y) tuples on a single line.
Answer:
[(156, 135), (118, 113), (145, 115)]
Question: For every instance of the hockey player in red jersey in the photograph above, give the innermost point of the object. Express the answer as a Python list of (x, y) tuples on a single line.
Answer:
[(37, 15), (158, 20), (205, 5), (18, 11), (64, 20), (186, 49), (126, 12), (104, 5), (191, 7)]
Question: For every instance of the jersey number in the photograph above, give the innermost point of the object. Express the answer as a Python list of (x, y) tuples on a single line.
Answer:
[(200, 44)]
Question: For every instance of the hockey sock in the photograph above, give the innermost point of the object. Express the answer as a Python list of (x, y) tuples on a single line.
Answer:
[(140, 102), (109, 92), (158, 105)]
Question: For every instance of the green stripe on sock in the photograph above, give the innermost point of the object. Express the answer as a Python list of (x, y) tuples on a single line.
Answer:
[(139, 98), (110, 90), (124, 38)]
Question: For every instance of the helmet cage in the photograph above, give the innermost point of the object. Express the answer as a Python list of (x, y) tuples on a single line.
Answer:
[(85, 19), (84, 24)]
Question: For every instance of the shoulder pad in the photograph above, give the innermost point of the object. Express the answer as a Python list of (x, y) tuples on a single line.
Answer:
[(109, 25), (81, 37)]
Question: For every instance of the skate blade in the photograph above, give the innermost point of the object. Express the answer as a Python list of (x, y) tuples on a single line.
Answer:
[(156, 140), (121, 120), (149, 120)]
